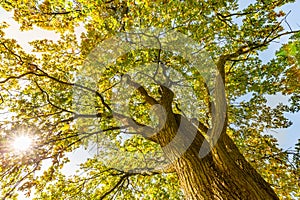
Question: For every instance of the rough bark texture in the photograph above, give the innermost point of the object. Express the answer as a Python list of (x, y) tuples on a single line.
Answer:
[(217, 171), (221, 174)]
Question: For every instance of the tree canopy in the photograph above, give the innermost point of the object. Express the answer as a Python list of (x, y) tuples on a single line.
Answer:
[(74, 94)]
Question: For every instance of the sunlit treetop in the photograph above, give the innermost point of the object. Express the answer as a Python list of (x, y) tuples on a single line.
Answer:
[(38, 88)]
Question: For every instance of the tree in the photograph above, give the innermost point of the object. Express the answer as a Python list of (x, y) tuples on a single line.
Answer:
[(40, 89)]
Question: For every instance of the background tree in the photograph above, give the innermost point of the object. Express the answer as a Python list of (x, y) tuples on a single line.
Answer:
[(37, 88)]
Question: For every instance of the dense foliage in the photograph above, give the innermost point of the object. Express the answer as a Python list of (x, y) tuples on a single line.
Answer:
[(37, 93)]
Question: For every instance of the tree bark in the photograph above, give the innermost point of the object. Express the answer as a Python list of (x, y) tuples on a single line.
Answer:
[(221, 174)]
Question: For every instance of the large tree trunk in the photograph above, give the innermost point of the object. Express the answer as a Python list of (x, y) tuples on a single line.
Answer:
[(222, 171), (222, 174)]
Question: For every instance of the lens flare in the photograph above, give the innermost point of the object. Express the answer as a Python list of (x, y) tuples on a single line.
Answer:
[(22, 143)]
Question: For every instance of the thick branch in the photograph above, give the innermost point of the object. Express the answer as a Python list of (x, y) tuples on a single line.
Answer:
[(141, 90), (141, 129), (166, 99)]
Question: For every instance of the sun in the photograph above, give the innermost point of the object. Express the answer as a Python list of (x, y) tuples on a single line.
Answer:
[(22, 143)]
